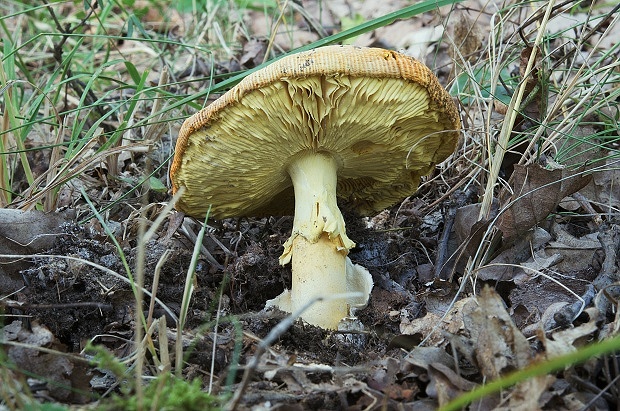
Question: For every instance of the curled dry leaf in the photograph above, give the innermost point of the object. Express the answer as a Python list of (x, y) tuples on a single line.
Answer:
[(63, 376), (536, 193), (25, 232), (567, 341), (504, 267), (528, 395), (606, 283), (253, 53), (576, 252), (445, 384), (386, 379), (432, 325), (498, 345)]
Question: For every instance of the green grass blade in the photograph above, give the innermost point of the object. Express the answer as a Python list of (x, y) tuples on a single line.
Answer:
[(542, 368)]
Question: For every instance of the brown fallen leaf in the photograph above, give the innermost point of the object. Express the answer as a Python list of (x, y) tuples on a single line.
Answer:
[(498, 345), (64, 377), (466, 37), (419, 359), (505, 266), (25, 232), (568, 340), (605, 182), (527, 395), (533, 106), (535, 89), (470, 231), (253, 53), (445, 384), (537, 191), (159, 18)]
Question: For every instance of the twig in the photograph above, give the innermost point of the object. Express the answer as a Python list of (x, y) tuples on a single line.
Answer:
[(206, 254), (459, 200), (609, 236), (569, 313), (100, 306)]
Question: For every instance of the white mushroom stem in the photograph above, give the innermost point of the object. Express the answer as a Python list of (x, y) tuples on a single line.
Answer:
[(318, 246), (314, 178)]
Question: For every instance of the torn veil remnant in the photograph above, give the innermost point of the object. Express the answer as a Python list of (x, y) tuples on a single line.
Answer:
[(363, 124)]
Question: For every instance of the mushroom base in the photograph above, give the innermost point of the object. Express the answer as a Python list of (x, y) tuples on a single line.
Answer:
[(314, 277), (323, 278)]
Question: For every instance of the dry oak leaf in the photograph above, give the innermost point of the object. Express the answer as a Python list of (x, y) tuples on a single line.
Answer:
[(536, 193), (498, 345)]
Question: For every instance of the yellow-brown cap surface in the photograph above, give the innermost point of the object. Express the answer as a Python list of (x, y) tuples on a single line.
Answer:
[(382, 115)]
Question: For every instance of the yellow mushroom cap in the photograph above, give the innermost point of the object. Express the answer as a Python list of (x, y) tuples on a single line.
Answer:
[(383, 116)]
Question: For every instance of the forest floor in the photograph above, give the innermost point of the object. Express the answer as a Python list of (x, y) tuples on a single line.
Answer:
[(458, 299)]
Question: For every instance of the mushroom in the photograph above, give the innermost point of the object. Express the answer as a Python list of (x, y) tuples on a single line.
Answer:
[(359, 124)]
